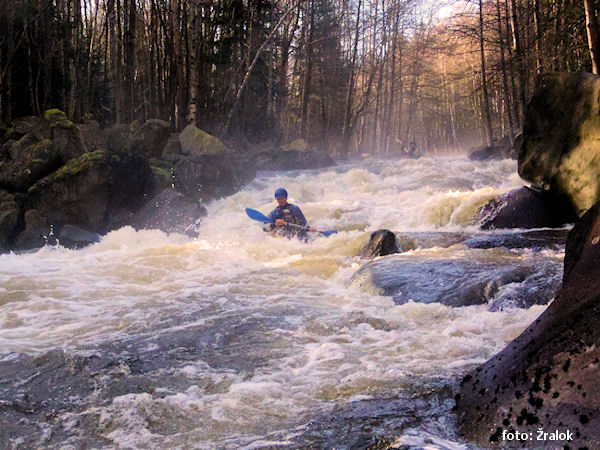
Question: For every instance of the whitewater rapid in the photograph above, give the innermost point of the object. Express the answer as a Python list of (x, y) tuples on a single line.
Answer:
[(284, 335)]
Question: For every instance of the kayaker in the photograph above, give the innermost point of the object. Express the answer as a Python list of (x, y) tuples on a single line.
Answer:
[(287, 214)]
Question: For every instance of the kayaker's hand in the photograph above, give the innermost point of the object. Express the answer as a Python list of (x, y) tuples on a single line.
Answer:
[(312, 229), (280, 223)]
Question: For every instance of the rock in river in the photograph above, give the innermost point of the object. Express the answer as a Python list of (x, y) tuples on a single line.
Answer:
[(381, 243), (547, 377), (523, 208)]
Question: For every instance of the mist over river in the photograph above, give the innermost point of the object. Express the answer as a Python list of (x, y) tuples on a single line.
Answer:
[(240, 340)]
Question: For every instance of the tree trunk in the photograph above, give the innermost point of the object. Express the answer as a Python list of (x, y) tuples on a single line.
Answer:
[(346, 133), (591, 23), (487, 121), (306, 84), (506, 91)]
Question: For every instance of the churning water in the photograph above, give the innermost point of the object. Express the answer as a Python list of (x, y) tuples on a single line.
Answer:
[(237, 339)]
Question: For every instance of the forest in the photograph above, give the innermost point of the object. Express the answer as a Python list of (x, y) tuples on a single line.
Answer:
[(348, 76)]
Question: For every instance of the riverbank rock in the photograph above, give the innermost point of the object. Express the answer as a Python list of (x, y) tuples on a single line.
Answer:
[(295, 155), (64, 135), (150, 138), (170, 211), (547, 378), (560, 149), (381, 243), (30, 160), (206, 168), (97, 191), (524, 208), (10, 214)]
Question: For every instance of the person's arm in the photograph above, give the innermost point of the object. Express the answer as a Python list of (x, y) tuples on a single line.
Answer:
[(299, 216), (274, 217)]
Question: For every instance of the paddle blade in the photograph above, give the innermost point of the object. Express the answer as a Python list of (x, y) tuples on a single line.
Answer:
[(328, 233), (257, 215)]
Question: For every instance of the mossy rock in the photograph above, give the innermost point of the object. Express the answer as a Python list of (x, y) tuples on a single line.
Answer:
[(298, 145), (58, 119), (78, 165), (40, 150), (28, 164), (162, 177), (197, 142)]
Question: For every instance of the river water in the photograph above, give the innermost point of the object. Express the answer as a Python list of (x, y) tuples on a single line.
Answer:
[(240, 340)]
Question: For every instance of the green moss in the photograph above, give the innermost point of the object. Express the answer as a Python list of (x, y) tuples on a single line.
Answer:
[(162, 176), (40, 149), (58, 119), (78, 165)]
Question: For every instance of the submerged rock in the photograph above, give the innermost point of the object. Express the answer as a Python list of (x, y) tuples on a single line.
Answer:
[(547, 377), (560, 149), (536, 239), (476, 279), (170, 211), (523, 208), (381, 243)]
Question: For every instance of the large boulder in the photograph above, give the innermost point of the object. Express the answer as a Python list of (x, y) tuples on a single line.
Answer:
[(295, 155), (30, 161), (10, 214), (561, 149), (473, 279), (206, 169), (150, 138), (194, 141), (523, 208), (97, 191), (33, 125), (94, 138), (170, 211), (547, 378), (64, 135)]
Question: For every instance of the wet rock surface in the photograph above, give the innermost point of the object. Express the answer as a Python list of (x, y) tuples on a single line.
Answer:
[(547, 377), (381, 243), (560, 149), (476, 279), (74, 237), (524, 208), (170, 211)]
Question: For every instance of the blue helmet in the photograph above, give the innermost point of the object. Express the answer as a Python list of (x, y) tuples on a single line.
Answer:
[(281, 192)]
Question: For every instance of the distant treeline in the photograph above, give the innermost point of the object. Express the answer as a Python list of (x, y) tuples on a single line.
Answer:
[(346, 75)]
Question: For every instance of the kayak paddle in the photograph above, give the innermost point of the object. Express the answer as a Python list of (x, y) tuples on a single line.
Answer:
[(260, 217)]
